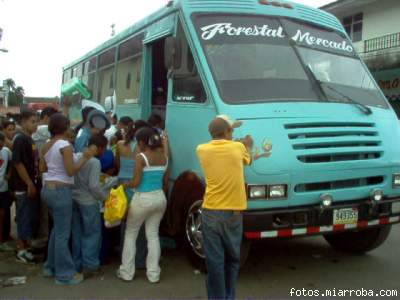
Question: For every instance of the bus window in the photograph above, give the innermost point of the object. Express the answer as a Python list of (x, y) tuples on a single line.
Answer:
[(128, 80), (159, 80), (187, 87), (106, 75), (129, 69)]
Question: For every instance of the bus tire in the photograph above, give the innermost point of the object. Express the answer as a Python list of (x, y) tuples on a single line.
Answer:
[(193, 241), (359, 242)]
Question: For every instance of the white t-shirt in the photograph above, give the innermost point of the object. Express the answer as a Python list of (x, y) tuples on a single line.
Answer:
[(5, 158), (55, 164)]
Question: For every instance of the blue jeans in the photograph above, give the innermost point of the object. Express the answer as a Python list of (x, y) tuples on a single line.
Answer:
[(59, 259), (86, 236), (26, 215), (222, 237)]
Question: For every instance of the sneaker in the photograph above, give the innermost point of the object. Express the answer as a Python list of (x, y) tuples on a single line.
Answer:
[(47, 273), (25, 257), (119, 275), (4, 247), (78, 278)]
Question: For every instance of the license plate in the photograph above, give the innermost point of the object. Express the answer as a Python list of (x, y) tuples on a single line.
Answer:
[(345, 216)]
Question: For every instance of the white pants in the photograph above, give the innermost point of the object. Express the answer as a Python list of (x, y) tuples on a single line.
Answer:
[(148, 208)]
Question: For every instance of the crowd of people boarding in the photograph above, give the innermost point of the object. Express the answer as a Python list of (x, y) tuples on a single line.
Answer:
[(54, 174)]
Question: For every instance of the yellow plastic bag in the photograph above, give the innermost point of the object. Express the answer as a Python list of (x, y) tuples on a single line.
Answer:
[(115, 207)]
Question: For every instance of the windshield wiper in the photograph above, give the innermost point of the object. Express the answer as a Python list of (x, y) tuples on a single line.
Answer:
[(365, 109), (316, 82)]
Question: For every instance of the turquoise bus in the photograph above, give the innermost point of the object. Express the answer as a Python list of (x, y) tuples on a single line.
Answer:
[(290, 73)]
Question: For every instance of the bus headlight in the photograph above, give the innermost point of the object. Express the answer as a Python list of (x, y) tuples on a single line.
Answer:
[(377, 195), (326, 200), (277, 191), (257, 191), (396, 180)]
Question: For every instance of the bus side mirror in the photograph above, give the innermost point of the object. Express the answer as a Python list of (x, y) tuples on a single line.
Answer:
[(172, 53)]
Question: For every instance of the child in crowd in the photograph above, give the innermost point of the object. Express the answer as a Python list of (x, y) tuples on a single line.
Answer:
[(147, 206), (24, 180), (58, 167), (5, 200), (8, 129), (86, 222)]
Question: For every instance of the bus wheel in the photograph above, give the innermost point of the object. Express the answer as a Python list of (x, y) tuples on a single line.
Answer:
[(359, 242), (193, 240)]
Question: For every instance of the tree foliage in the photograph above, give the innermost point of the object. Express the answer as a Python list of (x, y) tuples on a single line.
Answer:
[(16, 94)]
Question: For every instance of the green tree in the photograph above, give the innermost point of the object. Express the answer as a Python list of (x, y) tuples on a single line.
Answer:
[(16, 93)]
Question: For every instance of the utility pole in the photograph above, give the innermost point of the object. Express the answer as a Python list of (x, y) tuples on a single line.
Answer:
[(112, 29)]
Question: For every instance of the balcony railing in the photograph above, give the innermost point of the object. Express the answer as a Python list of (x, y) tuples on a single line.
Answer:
[(382, 43)]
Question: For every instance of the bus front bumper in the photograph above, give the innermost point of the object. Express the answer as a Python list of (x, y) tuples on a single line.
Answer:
[(312, 220)]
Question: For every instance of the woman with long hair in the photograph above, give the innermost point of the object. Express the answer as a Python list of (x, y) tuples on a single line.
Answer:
[(58, 167), (147, 206)]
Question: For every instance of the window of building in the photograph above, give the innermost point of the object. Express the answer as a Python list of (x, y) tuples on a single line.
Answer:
[(354, 25)]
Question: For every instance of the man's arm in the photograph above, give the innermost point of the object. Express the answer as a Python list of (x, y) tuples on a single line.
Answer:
[(19, 149)]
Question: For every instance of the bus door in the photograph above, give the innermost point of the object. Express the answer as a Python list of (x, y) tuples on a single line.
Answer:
[(156, 83)]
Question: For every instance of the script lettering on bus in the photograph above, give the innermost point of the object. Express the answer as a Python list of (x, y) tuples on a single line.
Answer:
[(210, 31), (312, 40)]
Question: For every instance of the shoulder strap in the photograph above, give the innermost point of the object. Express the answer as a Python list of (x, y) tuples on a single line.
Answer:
[(133, 146), (145, 159)]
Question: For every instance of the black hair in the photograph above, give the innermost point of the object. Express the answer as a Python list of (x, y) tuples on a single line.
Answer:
[(7, 123), (26, 114), (98, 140), (140, 124), (154, 120), (48, 112), (118, 135), (130, 132), (58, 124), (85, 113), (2, 137), (150, 137)]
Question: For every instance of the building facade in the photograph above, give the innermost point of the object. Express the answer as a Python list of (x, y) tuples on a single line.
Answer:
[(374, 27)]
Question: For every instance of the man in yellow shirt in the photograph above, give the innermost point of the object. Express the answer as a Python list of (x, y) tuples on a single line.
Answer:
[(222, 161)]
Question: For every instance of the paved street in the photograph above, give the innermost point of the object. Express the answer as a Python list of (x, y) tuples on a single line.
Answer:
[(274, 267)]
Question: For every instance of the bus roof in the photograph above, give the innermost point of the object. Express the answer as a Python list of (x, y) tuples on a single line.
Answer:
[(298, 11)]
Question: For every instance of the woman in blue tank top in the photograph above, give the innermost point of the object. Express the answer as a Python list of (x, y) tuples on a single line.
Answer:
[(147, 206)]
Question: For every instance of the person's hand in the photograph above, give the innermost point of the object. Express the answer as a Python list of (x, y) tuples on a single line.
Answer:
[(31, 191), (248, 142)]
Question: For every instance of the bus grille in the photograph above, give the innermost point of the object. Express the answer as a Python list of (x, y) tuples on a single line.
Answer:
[(339, 184), (334, 141)]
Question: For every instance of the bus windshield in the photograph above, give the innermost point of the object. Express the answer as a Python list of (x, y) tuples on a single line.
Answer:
[(261, 59)]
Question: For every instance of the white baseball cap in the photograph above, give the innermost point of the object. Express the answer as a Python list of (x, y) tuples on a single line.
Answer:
[(233, 123)]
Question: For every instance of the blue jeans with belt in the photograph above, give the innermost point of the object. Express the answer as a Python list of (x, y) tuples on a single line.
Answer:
[(59, 258), (222, 237)]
